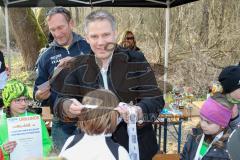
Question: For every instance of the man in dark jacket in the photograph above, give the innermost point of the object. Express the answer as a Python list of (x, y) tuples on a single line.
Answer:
[(126, 73), (3, 73), (3, 77), (230, 81), (66, 44)]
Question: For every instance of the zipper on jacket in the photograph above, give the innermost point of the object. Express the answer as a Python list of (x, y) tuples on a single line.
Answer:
[(68, 51)]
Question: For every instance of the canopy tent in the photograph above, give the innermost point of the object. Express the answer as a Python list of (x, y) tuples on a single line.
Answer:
[(95, 3), (100, 3)]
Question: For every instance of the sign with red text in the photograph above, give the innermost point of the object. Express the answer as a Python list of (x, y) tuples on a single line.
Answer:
[(27, 132)]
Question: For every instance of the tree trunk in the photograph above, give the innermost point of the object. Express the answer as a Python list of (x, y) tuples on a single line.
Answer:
[(29, 36), (204, 30), (41, 16), (77, 13)]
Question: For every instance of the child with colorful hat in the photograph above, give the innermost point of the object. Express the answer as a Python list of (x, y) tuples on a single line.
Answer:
[(208, 141), (15, 97)]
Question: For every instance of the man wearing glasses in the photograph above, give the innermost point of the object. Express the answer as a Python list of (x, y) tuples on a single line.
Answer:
[(66, 44)]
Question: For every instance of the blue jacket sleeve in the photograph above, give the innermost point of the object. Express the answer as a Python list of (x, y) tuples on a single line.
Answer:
[(42, 74)]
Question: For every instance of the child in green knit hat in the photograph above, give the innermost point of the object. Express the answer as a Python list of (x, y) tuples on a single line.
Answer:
[(13, 90), (15, 98)]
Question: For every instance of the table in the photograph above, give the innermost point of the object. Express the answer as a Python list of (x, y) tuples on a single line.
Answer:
[(198, 104), (170, 119), (195, 108), (166, 157)]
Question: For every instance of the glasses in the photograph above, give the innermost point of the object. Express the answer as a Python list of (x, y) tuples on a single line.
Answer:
[(20, 100), (129, 38)]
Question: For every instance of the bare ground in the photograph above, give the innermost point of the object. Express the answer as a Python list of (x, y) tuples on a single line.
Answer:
[(187, 126)]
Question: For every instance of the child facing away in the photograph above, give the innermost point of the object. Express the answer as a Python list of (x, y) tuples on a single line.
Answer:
[(208, 142), (230, 81), (98, 120), (15, 97)]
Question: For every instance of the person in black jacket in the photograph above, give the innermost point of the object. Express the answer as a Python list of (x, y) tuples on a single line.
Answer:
[(230, 81), (126, 73), (3, 77), (3, 73)]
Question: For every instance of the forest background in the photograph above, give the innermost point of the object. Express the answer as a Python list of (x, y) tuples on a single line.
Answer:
[(204, 38)]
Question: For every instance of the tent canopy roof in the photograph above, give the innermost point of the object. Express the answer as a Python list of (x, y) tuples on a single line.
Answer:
[(94, 3)]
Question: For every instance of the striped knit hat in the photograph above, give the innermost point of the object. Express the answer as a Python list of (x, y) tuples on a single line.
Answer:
[(13, 90)]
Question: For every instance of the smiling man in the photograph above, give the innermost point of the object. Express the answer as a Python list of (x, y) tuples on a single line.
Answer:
[(124, 72), (66, 43)]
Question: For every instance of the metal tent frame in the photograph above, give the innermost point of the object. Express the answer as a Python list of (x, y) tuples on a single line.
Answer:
[(99, 3)]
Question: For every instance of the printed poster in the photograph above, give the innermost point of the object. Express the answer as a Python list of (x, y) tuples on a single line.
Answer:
[(27, 132)]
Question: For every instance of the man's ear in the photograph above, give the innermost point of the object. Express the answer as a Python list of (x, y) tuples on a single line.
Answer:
[(115, 35), (71, 23), (86, 37)]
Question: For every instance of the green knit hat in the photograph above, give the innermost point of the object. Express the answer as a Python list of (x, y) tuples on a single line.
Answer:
[(13, 90)]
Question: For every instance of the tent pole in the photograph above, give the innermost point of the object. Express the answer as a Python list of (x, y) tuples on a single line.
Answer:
[(90, 2), (167, 14), (7, 35)]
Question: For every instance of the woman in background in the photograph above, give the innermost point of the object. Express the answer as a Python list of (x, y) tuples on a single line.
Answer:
[(128, 41)]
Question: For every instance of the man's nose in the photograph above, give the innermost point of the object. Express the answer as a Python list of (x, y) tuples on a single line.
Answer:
[(57, 34), (101, 41)]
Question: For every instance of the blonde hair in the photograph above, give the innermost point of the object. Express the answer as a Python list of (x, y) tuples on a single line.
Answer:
[(102, 119), (124, 36)]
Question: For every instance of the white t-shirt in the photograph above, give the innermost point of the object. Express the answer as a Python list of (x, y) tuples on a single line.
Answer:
[(91, 148)]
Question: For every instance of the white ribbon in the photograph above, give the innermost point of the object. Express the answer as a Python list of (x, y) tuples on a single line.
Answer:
[(132, 132)]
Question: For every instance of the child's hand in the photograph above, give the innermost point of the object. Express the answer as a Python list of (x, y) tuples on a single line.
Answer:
[(9, 146)]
